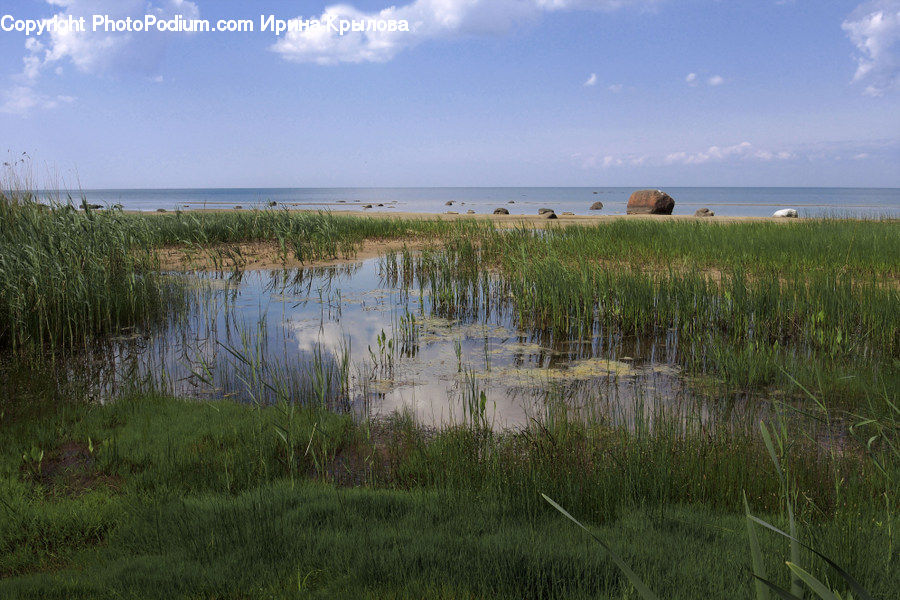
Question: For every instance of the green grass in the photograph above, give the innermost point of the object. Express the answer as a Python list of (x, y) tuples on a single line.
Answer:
[(306, 235), (278, 542), (194, 500), (746, 304), (67, 276)]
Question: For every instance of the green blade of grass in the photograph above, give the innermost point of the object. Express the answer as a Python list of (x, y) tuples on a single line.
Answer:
[(779, 591), (796, 588), (759, 569), (854, 585), (639, 585), (814, 584)]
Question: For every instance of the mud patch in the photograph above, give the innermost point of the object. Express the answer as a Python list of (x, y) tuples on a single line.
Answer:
[(70, 469)]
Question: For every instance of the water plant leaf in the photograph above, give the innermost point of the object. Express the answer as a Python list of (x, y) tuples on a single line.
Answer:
[(814, 584), (759, 569), (796, 589), (767, 439), (639, 585)]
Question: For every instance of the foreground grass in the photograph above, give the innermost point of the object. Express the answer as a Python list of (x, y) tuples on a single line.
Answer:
[(278, 542), (281, 542), (155, 497)]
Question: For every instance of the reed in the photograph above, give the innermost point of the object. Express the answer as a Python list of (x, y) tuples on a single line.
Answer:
[(742, 303), (66, 275), (69, 272)]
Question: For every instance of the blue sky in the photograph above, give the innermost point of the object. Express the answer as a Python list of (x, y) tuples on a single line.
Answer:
[(481, 92)]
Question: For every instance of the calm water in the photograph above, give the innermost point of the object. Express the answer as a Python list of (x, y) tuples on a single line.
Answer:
[(868, 202), (354, 338)]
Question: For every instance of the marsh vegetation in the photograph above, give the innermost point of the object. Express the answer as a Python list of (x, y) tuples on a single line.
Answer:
[(165, 435)]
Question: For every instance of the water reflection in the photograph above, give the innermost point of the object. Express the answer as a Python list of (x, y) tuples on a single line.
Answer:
[(364, 338)]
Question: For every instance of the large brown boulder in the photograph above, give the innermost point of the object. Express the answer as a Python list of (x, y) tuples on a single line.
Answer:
[(650, 202)]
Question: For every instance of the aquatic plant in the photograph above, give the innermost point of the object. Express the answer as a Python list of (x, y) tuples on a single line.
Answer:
[(828, 317)]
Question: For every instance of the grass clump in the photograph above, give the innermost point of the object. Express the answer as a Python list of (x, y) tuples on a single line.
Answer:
[(67, 276)]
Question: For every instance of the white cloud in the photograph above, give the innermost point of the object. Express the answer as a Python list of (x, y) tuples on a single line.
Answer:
[(616, 88), (693, 80), (744, 151), (618, 161), (874, 27), (428, 19), (101, 52), (92, 52), (591, 81), (22, 99)]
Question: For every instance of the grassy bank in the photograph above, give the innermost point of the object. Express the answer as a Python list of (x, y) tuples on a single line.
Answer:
[(66, 276), (155, 497)]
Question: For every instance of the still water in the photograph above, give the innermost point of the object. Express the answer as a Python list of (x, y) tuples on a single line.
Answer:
[(354, 338)]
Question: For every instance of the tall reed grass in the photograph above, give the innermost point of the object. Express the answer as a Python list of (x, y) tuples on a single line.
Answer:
[(69, 272), (745, 302), (67, 275)]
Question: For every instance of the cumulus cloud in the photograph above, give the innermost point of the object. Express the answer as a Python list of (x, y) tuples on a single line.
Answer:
[(874, 28), (91, 52), (742, 151), (693, 80), (428, 19), (591, 81), (610, 161), (100, 52)]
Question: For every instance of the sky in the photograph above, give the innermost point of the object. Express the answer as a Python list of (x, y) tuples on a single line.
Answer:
[(476, 93)]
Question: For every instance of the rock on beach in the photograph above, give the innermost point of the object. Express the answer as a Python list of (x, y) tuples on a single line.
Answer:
[(650, 202)]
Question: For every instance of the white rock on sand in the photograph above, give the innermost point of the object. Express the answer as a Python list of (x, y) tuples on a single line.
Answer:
[(788, 213)]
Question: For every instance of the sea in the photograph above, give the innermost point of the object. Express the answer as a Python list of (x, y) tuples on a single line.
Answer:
[(734, 202)]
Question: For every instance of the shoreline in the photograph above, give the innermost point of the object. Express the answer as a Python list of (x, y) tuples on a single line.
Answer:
[(506, 220)]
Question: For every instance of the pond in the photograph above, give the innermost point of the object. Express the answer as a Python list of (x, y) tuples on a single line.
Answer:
[(355, 337)]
